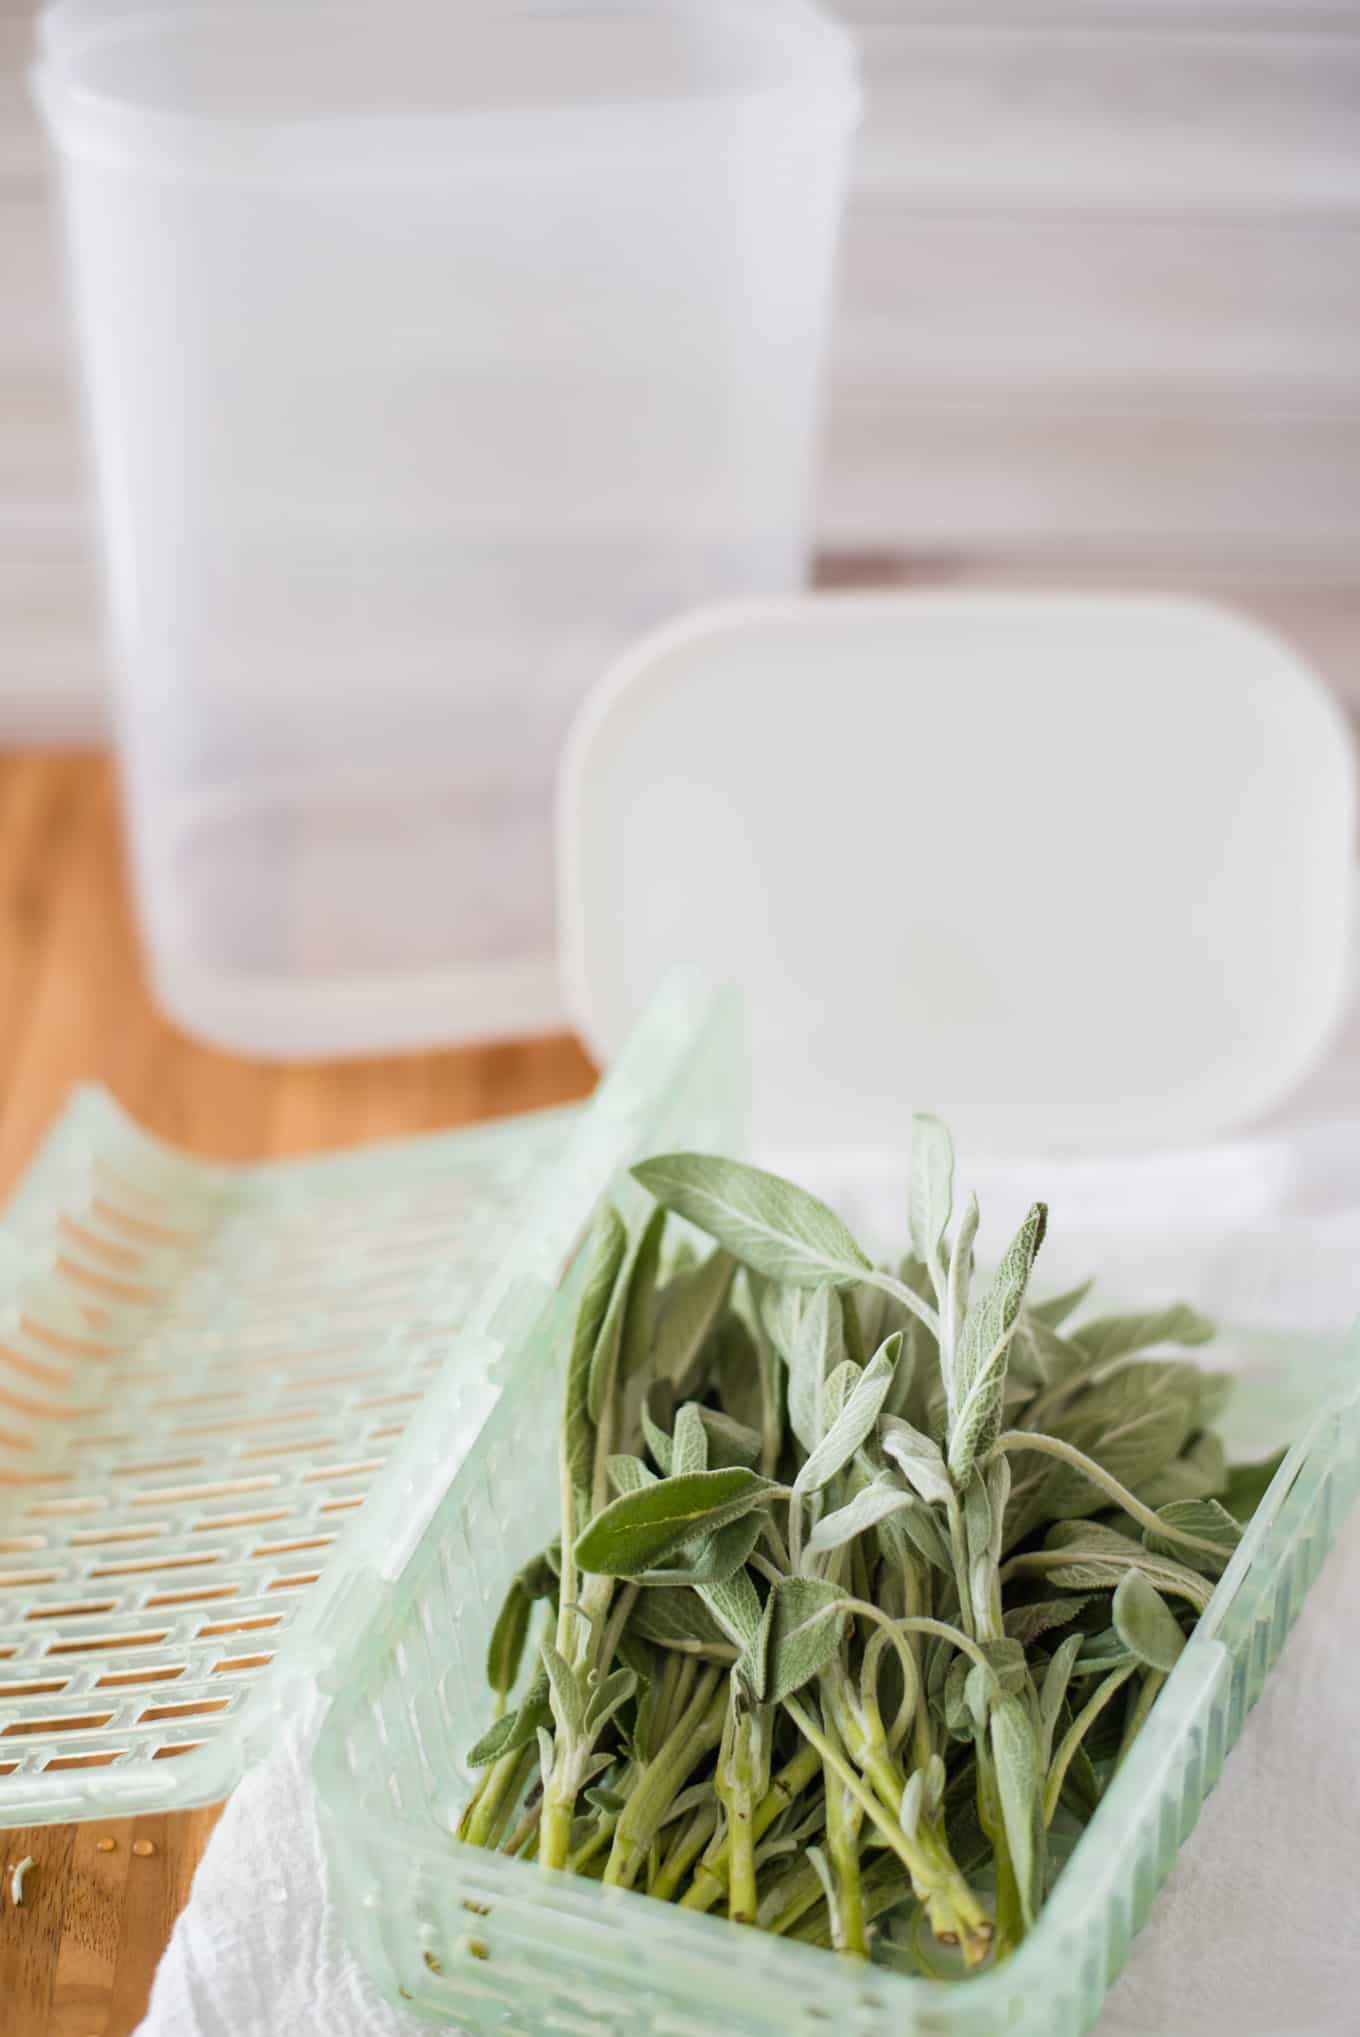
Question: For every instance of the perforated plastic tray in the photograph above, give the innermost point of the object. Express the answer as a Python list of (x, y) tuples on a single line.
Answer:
[(494, 1944), (203, 1370)]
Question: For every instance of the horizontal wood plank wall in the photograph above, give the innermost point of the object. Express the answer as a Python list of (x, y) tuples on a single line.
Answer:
[(1184, 375)]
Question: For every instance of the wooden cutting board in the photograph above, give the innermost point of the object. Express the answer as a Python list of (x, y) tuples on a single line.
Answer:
[(77, 1959)]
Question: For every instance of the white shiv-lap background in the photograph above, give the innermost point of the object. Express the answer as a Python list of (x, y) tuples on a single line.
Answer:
[(1255, 1932)]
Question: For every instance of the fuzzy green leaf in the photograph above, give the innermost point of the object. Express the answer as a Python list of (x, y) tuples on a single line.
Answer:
[(854, 1423), (1145, 1622), (806, 1625), (609, 1242), (1248, 1484), (689, 1441), (920, 1460), (567, 1702), (818, 1351), (980, 1361), (1019, 1784), (1204, 1518), (713, 1558), (629, 1474), (517, 1729), (872, 1504), (1054, 1309), (687, 1313), (1110, 1338), (639, 1530), (767, 1223), (932, 1186), (674, 1618), (506, 1649)]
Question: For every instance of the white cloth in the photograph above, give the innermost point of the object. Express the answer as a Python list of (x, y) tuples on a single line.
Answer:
[(1257, 1931)]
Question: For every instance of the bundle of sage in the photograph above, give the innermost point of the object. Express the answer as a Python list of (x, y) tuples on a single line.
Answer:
[(866, 1579)]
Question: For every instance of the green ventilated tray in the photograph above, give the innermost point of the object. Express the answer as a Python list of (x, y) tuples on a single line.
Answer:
[(492, 1944), (208, 1462)]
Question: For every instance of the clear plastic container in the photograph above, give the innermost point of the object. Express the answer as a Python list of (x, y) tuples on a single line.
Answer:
[(890, 767), (429, 352), (209, 1382), (492, 1944)]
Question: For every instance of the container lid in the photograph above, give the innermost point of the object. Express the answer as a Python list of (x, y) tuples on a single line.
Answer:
[(1073, 871), (418, 87)]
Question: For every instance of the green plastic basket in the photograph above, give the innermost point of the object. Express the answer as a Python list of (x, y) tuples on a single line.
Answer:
[(492, 1944), (208, 1378)]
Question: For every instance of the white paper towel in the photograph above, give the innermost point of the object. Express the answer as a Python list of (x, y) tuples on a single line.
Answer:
[(1257, 1931)]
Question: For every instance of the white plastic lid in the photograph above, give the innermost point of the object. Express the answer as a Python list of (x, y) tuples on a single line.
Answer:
[(1073, 871), (282, 86)]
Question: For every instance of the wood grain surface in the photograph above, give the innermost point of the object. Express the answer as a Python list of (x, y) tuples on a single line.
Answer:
[(77, 1959)]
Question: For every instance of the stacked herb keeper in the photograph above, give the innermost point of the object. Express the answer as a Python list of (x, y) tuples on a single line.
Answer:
[(489, 1942)]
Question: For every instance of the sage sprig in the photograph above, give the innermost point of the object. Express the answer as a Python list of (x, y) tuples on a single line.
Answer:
[(867, 1574)]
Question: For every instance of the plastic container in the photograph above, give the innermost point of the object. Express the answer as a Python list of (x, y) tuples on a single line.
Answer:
[(429, 352), (492, 1944), (206, 1379)]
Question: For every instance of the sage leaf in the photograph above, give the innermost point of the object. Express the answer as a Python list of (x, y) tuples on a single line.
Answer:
[(629, 1474), (1204, 1518), (818, 1351), (956, 1295), (920, 1460), (1248, 1484), (608, 1697), (1028, 1623), (506, 1649), (516, 1729), (640, 1309), (713, 1558), (1054, 1309), (872, 1504), (766, 1223), (920, 1528), (1094, 1557), (854, 1423), (1020, 1787), (1053, 1692), (932, 1187), (735, 1605), (807, 1621), (675, 1618), (751, 1678), (729, 1442), (567, 1702), (1111, 1338), (658, 1440), (688, 1311), (1145, 1622), (980, 1362), (609, 1241), (631, 1294), (689, 1442), (640, 1529)]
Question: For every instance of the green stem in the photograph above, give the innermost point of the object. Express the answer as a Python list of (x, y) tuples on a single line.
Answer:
[(554, 1830), (686, 1850), (1147, 1517), (696, 1734), (843, 1821), (1036, 1561), (710, 1877), (497, 1796), (1076, 1732), (1147, 1695), (618, 1620)]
